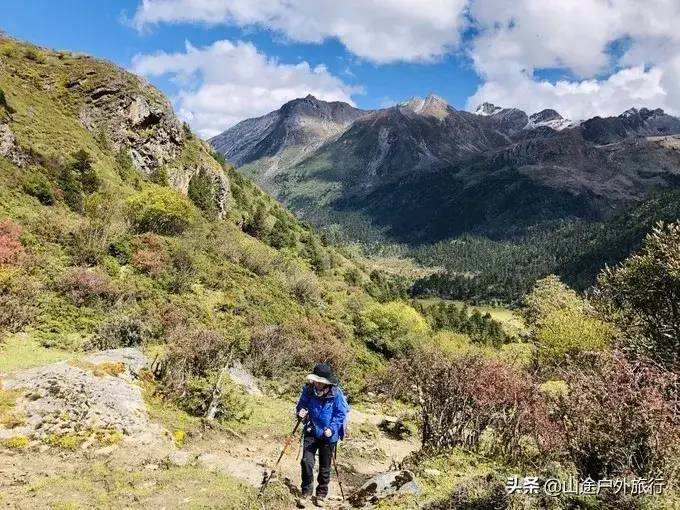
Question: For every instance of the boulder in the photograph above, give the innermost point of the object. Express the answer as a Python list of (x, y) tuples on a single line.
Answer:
[(243, 378), (179, 458), (384, 485)]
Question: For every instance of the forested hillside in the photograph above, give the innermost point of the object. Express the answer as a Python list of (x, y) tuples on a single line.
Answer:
[(528, 195)]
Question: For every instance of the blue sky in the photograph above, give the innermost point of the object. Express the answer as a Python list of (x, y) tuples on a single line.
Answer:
[(100, 28), (224, 60)]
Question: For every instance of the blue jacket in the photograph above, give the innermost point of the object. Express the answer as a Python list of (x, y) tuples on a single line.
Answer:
[(329, 411)]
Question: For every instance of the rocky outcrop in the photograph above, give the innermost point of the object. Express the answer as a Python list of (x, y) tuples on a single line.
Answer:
[(130, 114), (83, 401), (135, 118), (8, 146), (239, 375), (131, 359)]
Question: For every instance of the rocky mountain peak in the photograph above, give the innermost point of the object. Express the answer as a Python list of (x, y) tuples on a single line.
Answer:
[(548, 118), (545, 115), (432, 105), (487, 109)]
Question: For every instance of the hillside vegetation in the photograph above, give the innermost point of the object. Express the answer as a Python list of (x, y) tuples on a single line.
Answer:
[(119, 228)]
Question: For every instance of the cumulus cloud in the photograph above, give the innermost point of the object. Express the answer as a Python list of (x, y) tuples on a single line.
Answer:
[(616, 53), (577, 100), (227, 81), (377, 30), (516, 39)]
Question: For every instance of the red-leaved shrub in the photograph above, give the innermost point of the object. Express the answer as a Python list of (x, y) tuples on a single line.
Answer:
[(621, 417), (12, 252), (276, 349), (460, 397), (609, 416), (85, 285), (151, 255)]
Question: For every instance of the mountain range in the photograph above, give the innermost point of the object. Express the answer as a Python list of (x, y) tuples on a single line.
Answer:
[(423, 171)]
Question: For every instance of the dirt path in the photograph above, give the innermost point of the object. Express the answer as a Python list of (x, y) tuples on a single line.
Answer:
[(250, 457), (142, 464)]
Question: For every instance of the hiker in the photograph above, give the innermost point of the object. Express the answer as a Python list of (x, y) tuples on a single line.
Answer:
[(323, 408)]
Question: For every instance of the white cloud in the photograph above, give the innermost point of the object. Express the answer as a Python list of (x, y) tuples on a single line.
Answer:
[(226, 82), (577, 100), (517, 38), (512, 42), (377, 30)]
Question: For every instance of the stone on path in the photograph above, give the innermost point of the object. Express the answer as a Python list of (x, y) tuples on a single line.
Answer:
[(384, 485)]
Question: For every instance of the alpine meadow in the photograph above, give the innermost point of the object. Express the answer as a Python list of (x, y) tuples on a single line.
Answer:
[(434, 308)]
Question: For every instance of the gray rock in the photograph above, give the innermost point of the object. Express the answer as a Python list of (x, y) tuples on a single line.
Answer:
[(8, 146), (243, 378), (134, 359), (74, 399), (384, 485), (432, 473), (179, 458)]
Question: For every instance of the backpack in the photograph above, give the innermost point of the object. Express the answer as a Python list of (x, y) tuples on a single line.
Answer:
[(343, 432)]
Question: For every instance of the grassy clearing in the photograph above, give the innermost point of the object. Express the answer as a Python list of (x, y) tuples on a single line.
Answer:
[(270, 415), (22, 351), (400, 267), (509, 318), (100, 486)]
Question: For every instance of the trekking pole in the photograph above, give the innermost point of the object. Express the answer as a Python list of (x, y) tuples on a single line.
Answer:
[(337, 475), (285, 447)]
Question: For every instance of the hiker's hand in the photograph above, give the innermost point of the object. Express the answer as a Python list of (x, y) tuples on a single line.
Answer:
[(302, 413), (328, 432)]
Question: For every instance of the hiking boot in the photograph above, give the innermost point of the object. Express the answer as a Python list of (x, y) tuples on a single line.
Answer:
[(303, 501), (320, 501)]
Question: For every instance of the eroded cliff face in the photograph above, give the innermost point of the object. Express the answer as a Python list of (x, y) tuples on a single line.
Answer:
[(62, 101), (137, 119)]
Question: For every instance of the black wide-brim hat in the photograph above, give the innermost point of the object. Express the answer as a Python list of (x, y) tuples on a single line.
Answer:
[(323, 374)]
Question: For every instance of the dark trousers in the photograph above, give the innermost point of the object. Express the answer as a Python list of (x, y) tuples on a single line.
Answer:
[(310, 447)]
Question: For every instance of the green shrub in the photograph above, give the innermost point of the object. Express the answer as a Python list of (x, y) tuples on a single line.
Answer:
[(219, 158), (256, 225), (304, 286), (391, 328), (159, 176), (568, 332), (202, 193), (642, 294), (120, 332), (3, 100), (18, 293), (228, 399), (547, 296), (126, 169), (160, 210), (183, 269), (281, 236), (38, 186), (82, 166), (257, 259)]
